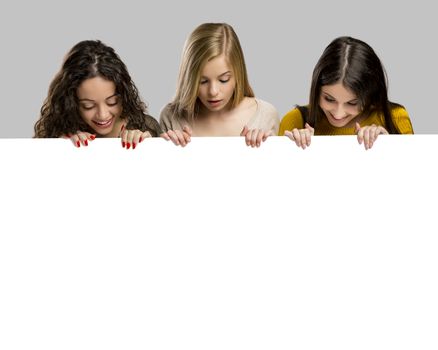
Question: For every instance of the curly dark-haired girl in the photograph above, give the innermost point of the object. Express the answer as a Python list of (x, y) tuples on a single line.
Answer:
[(92, 96)]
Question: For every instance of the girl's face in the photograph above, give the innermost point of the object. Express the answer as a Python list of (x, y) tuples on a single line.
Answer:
[(217, 84), (339, 104), (99, 105)]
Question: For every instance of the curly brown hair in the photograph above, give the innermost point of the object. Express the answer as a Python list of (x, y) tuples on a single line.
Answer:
[(88, 59)]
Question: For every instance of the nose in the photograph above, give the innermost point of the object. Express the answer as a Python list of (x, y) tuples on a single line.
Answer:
[(213, 89), (103, 112), (339, 112)]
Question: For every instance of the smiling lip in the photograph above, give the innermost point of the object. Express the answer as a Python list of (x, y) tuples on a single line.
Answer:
[(103, 123), (338, 119)]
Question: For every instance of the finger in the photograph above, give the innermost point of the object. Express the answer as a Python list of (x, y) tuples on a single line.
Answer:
[(75, 139), (121, 130), (249, 138), (136, 135), (359, 132), (297, 137), (244, 131), (123, 137), (307, 136), (83, 138), (254, 137), (181, 138), (187, 137), (165, 136), (188, 130), (374, 133), (303, 136), (261, 137), (311, 130), (144, 135), (130, 137), (366, 137), (356, 127), (289, 134), (173, 137)]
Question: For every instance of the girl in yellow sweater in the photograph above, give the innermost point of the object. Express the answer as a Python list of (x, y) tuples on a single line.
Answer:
[(348, 96)]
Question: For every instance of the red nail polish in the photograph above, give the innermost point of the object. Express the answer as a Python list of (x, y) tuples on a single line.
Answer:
[(78, 144), (123, 144), (92, 137), (86, 143), (133, 145), (140, 140), (128, 145)]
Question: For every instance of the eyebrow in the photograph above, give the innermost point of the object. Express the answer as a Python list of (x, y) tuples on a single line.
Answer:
[(227, 72), (89, 100), (326, 93)]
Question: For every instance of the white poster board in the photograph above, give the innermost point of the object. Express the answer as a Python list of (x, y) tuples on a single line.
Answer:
[(218, 245)]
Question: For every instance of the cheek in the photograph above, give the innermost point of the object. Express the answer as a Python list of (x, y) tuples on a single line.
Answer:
[(117, 110), (324, 104), (230, 89), (201, 91), (354, 111), (86, 115)]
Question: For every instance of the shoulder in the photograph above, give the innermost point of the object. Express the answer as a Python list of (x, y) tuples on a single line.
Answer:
[(398, 111), (169, 119), (265, 117), (291, 120), (401, 119), (165, 111), (266, 108)]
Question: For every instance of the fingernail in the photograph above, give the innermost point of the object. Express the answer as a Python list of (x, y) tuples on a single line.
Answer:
[(78, 144), (86, 143), (133, 145), (123, 144), (92, 137), (128, 145), (139, 141)]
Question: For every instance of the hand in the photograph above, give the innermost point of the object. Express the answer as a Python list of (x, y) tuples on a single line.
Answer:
[(255, 137), (302, 137), (178, 137), (368, 134), (132, 137), (80, 137)]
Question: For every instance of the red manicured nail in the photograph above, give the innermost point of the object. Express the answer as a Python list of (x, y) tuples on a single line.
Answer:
[(140, 140), (123, 144), (86, 143), (133, 145), (78, 144), (92, 137), (128, 145)]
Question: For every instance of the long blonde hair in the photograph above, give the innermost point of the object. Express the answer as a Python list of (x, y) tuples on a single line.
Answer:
[(206, 42)]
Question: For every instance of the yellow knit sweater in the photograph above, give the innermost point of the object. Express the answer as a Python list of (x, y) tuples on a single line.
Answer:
[(293, 119)]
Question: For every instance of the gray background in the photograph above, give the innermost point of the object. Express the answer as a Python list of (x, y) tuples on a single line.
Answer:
[(282, 42)]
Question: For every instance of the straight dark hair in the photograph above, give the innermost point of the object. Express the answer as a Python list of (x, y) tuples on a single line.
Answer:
[(353, 63)]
